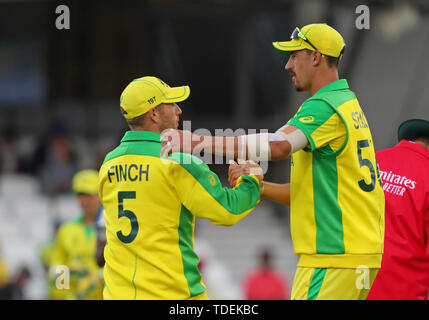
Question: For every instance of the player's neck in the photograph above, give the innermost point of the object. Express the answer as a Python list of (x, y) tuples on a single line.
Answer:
[(422, 143), (153, 127), (322, 79)]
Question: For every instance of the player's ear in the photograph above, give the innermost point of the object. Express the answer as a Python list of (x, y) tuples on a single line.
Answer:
[(154, 114), (316, 58)]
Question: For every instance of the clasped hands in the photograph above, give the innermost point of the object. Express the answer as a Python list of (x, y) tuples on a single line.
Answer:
[(236, 170)]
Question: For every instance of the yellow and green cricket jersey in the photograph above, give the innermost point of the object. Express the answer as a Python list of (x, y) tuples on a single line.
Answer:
[(75, 247), (337, 201), (150, 204), (46, 254)]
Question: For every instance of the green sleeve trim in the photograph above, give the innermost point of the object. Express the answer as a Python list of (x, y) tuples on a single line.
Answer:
[(304, 129), (190, 259), (236, 201), (333, 99), (340, 150), (187, 160), (311, 116)]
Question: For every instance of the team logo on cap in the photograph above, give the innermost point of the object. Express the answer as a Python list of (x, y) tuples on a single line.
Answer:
[(152, 100), (307, 119)]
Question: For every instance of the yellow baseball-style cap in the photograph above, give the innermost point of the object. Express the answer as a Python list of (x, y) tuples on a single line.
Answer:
[(86, 182), (145, 93), (315, 37)]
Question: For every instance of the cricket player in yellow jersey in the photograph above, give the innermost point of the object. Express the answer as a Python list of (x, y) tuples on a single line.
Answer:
[(151, 202), (335, 194), (76, 244)]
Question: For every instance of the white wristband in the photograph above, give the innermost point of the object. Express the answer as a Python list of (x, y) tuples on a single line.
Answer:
[(296, 138), (242, 142), (258, 147)]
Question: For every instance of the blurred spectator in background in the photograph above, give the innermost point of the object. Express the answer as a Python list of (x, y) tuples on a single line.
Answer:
[(217, 277), (10, 159), (54, 160), (404, 273), (266, 283), (100, 226), (46, 253), (14, 289), (48, 248), (76, 243)]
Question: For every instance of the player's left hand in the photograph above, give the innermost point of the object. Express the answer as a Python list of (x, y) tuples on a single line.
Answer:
[(236, 170)]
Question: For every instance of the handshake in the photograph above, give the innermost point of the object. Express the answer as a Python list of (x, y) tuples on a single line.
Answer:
[(185, 141), (236, 170)]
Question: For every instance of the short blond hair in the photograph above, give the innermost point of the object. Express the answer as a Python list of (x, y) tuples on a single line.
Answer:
[(135, 122)]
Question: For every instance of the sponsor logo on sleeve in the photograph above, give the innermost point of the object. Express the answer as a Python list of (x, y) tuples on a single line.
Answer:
[(212, 180), (307, 119)]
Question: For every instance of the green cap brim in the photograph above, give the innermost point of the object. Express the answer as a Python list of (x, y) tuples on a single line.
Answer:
[(293, 45), (177, 94)]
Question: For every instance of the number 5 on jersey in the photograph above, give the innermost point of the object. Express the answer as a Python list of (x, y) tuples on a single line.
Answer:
[(367, 163), (128, 214)]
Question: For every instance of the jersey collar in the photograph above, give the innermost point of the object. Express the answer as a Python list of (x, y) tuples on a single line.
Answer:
[(340, 84), (141, 136)]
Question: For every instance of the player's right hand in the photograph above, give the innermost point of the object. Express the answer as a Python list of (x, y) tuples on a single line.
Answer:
[(176, 141)]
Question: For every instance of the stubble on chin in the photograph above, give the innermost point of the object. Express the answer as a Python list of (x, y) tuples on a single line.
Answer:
[(297, 87)]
